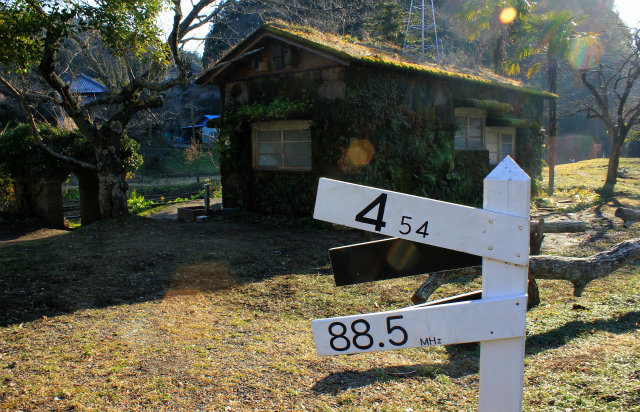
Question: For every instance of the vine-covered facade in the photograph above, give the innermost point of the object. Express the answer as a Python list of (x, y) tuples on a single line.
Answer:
[(299, 105)]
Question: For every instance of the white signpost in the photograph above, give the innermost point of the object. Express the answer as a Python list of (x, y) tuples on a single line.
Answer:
[(499, 233)]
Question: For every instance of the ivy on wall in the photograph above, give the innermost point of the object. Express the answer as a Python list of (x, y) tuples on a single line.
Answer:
[(372, 136), (412, 151)]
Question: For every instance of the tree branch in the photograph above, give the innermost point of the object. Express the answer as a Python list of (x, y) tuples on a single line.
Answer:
[(578, 271), (602, 105), (36, 134)]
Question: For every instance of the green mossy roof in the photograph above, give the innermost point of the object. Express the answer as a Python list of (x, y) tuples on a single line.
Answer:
[(491, 105), (347, 48)]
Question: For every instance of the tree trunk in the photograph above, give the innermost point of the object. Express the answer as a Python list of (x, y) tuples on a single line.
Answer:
[(112, 187), (112, 195), (579, 271), (498, 54), (88, 185), (552, 161), (552, 72), (612, 169)]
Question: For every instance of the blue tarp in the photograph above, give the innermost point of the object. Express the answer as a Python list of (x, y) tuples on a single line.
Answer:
[(203, 121)]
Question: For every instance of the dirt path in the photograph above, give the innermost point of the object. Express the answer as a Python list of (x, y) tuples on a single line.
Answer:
[(170, 212)]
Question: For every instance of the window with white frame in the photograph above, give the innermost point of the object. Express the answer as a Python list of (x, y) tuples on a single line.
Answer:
[(470, 132), (282, 145), (500, 142)]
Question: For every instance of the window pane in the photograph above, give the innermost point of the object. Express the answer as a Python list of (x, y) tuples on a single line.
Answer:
[(459, 142), (475, 131), (492, 141), (297, 135), (269, 160), (282, 147), (269, 136), (461, 121), (475, 142), (298, 148), (475, 122), (507, 145), (265, 148), (297, 161)]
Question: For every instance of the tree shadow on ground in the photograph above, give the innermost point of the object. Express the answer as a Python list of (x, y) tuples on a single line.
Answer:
[(132, 259), (14, 230), (463, 361), (561, 335), (607, 225)]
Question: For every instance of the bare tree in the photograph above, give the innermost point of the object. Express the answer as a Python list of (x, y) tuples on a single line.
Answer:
[(615, 100)]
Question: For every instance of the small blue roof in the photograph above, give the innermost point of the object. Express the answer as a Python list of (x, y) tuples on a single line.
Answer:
[(203, 121), (83, 84)]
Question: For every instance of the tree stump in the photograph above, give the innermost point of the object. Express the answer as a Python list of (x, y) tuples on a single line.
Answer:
[(629, 216)]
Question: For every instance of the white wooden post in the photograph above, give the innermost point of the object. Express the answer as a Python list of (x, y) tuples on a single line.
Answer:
[(507, 190)]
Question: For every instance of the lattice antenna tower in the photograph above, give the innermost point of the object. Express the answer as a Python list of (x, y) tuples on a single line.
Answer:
[(421, 36)]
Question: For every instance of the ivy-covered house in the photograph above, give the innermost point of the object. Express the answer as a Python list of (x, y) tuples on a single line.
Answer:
[(298, 104)]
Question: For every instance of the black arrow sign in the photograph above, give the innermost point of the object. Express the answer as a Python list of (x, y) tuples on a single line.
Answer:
[(393, 258)]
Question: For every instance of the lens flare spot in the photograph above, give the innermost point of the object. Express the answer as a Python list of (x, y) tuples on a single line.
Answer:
[(403, 255), (508, 15), (585, 53), (360, 152)]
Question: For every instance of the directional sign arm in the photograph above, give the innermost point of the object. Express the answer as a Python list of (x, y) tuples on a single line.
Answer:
[(392, 258), (418, 219), (460, 322)]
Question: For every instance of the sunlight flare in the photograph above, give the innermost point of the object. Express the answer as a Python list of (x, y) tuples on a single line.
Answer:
[(585, 53), (508, 15)]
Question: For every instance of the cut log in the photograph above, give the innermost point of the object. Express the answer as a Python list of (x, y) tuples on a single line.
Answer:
[(561, 226), (578, 271), (628, 215)]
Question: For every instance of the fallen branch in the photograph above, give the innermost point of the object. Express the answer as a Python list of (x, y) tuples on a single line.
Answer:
[(536, 236), (578, 271)]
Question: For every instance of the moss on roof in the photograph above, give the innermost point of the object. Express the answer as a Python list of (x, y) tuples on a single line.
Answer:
[(348, 48), (491, 105)]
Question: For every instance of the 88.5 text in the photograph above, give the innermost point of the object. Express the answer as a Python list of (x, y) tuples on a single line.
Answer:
[(362, 339)]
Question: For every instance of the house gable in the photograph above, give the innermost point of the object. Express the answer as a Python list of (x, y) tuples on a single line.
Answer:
[(269, 54)]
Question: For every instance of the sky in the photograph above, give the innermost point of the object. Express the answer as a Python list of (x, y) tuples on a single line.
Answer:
[(629, 11)]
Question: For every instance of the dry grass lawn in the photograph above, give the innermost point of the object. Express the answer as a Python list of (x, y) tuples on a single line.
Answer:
[(144, 314)]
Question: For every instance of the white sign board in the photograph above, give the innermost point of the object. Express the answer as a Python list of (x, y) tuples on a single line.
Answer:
[(448, 225), (460, 322), (499, 233)]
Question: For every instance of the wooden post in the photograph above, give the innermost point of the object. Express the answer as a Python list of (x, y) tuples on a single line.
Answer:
[(506, 190)]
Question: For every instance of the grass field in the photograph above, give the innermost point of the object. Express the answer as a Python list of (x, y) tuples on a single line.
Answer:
[(145, 314), (591, 174)]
